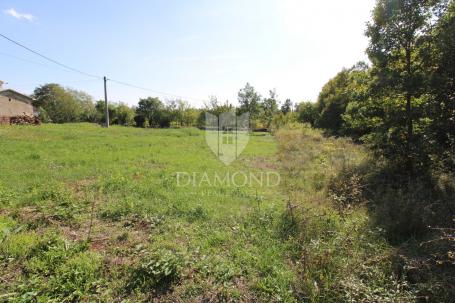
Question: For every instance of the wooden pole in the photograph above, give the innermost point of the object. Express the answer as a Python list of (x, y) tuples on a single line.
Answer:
[(105, 103)]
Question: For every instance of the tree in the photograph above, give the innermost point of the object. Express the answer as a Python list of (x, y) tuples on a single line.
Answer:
[(440, 106), (249, 101), (214, 107), (269, 109), (190, 116), (396, 33), (101, 114), (307, 112), (88, 110), (286, 107), (124, 115), (217, 108), (332, 103), (151, 109), (59, 104), (362, 113), (180, 110)]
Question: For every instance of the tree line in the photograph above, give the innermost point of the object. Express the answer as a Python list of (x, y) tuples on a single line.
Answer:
[(58, 104), (403, 104)]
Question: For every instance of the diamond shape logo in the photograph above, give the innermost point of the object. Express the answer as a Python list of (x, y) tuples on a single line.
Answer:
[(227, 135)]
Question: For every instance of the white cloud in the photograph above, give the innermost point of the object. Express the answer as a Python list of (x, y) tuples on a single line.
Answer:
[(13, 13)]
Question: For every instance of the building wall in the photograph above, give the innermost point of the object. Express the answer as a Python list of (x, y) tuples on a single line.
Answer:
[(11, 107)]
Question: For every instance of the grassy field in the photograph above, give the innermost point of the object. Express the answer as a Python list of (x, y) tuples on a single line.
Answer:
[(217, 241), (150, 237)]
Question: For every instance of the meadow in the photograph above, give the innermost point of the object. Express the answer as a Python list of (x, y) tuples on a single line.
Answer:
[(97, 215), (217, 240)]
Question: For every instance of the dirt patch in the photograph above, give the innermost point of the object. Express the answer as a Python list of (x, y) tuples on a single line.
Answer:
[(79, 188)]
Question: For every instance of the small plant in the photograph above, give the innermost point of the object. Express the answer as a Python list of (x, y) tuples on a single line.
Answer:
[(54, 200), (77, 277), (6, 196), (155, 271), (7, 226), (123, 237), (19, 245), (196, 214)]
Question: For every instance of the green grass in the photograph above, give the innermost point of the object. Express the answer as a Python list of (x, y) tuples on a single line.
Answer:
[(223, 236), (307, 240)]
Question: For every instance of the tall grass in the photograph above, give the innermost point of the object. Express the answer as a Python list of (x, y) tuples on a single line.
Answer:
[(364, 232), (339, 254)]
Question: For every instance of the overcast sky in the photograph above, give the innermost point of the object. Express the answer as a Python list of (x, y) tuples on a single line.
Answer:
[(188, 48)]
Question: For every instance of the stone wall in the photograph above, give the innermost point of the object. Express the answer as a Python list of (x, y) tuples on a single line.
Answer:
[(11, 107)]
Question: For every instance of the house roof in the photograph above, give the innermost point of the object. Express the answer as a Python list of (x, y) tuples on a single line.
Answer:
[(16, 95)]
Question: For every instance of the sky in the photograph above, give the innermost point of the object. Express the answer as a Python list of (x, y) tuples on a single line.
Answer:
[(192, 49)]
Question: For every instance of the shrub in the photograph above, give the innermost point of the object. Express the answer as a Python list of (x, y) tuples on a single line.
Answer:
[(140, 121), (407, 205), (155, 271)]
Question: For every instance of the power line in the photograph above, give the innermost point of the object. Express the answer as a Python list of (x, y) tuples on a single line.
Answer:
[(65, 82), (153, 91), (41, 64), (49, 59), (26, 60), (69, 68)]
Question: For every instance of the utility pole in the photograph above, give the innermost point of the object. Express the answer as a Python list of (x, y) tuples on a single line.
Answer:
[(105, 103)]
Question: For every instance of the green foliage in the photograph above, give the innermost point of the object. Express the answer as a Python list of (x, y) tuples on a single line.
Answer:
[(150, 109), (339, 254), (124, 115), (19, 245), (181, 113), (86, 104), (398, 73), (269, 109), (55, 200), (155, 271), (54, 269), (332, 102), (61, 105), (307, 113), (286, 107), (139, 120), (406, 207), (249, 101), (213, 107), (7, 197), (76, 277), (440, 108), (7, 226), (402, 105), (344, 88), (281, 120), (43, 116)]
